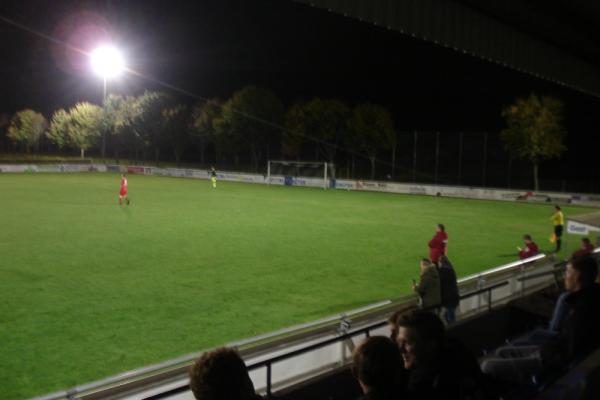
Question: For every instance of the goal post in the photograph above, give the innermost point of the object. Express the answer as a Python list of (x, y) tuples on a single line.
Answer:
[(311, 173)]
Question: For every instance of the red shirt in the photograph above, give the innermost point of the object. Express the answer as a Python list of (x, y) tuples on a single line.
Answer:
[(437, 246), (123, 191), (530, 250), (586, 248)]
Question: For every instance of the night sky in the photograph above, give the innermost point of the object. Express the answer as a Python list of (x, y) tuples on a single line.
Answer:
[(212, 48)]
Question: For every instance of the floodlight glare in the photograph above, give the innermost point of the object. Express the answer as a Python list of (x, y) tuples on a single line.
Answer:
[(107, 61)]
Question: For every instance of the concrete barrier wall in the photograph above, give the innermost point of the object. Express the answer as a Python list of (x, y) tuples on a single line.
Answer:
[(590, 200)]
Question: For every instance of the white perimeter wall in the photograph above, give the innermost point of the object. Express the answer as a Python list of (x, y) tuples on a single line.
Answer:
[(344, 184)]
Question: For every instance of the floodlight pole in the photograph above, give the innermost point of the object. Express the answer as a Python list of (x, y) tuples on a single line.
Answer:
[(104, 125)]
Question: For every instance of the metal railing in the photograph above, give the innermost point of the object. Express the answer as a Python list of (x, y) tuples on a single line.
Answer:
[(172, 370), (487, 290), (268, 363)]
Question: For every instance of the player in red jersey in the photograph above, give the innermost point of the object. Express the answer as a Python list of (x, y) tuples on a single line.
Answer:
[(438, 245), (123, 191), (530, 249), (586, 248)]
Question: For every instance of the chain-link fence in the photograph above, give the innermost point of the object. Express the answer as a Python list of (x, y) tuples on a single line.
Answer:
[(466, 159)]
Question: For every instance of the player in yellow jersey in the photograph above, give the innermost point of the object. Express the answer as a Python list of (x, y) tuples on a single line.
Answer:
[(558, 220), (213, 177)]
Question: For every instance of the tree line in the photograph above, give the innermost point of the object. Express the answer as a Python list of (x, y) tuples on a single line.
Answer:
[(253, 126)]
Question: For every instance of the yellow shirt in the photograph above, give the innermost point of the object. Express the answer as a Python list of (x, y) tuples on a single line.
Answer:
[(558, 218)]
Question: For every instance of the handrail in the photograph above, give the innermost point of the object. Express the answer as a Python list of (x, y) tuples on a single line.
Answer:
[(183, 362), (559, 267), (366, 330), (486, 289), (180, 364), (269, 362), (503, 268), (483, 290)]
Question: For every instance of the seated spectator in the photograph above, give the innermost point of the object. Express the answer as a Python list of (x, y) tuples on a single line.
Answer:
[(543, 335), (221, 375), (579, 332), (438, 367), (530, 248), (428, 287), (449, 289), (393, 324), (377, 365), (586, 248), (393, 321)]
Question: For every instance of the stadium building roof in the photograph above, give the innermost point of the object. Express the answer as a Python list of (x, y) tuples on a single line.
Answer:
[(554, 40)]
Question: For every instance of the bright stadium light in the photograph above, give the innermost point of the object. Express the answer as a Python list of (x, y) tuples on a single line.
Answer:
[(107, 61)]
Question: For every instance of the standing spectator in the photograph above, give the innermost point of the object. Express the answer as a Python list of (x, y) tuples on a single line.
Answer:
[(449, 289), (428, 287), (377, 365), (221, 375), (530, 248), (558, 220), (438, 367), (586, 248), (438, 244)]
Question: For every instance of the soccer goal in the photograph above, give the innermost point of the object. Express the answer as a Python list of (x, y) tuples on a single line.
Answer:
[(305, 173)]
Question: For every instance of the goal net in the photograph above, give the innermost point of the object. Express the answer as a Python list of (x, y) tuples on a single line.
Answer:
[(301, 173)]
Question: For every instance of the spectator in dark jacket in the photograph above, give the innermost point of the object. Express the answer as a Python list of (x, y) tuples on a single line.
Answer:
[(543, 335), (377, 365), (579, 332), (438, 367), (530, 249), (221, 375), (449, 289)]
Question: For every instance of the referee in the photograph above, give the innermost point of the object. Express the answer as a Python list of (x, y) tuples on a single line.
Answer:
[(213, 177), (558, 219)]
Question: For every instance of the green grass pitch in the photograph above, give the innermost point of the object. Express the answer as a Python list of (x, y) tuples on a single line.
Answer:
[(90, 288)]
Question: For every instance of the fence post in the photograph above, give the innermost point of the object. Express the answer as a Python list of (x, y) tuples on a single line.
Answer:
[(485, 139), (522, 280), (415, 157), (394, 145), (269, 380), (437, 155), (460, 151), (508, 171), (480, 285)]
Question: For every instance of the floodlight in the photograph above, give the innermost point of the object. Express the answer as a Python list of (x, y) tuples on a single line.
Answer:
[(107, 61)]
